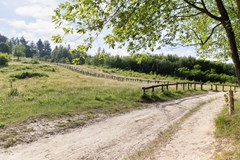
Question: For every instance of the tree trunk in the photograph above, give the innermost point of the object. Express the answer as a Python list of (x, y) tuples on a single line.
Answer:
[(234, 51), (238, 7), (226, 22)]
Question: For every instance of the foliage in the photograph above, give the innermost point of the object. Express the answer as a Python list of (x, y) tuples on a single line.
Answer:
[(76, 61), (187, 68), (148, 24), (19, 51), (3, 39), (4, 59), (4, 48), (23, 75), (151, 24)]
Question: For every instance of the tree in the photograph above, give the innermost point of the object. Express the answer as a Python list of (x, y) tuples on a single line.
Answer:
[(19, 51), (46, 49), (3, 38), (4, 48), (23, 41), (151, 24), (15, 41), (61, 54), (40, 47), (32, 50)]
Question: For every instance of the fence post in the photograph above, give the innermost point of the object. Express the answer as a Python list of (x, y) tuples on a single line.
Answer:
[(194, 86), (176, 86), (162, 88), (153, 90), (188, 85), (201, 86), (216, 88), (183, 86), (231, 102), (223, 88)]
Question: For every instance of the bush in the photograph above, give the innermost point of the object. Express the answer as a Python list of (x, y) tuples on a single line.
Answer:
[(4, 59), (24, 75)]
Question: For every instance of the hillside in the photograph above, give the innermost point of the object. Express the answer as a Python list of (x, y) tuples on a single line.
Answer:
[(43, 93)]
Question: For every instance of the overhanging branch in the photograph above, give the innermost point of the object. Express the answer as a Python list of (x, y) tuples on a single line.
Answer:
[(211, 33), (204, 10)]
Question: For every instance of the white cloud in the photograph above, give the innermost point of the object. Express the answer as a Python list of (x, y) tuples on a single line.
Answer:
[(32, 30), (35, 11), (43, 2), (42, 9)]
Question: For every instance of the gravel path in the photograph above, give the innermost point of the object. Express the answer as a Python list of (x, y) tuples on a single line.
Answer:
[(120, 136), (195, 140)]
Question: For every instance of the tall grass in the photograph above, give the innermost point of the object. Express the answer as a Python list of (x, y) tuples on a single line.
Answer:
[(228, 130)]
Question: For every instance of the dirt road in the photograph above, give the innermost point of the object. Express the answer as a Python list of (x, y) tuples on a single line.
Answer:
[(195, 140), (117, 137)]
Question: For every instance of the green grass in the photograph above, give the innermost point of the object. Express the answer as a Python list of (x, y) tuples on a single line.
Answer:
[(170, 95), (228, 129), (63, 92), (129, 73)]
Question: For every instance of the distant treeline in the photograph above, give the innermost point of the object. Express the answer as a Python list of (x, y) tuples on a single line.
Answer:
[(188, 68)]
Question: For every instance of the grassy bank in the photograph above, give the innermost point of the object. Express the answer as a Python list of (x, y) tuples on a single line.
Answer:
[(228, 133), (36, 90)]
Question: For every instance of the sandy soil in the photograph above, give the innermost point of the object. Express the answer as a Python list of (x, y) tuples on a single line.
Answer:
[(195, 140), (120, 136)]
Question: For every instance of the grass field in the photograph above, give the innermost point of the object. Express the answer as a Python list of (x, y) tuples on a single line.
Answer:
[(130, 73), (228, 131), (37, 90)]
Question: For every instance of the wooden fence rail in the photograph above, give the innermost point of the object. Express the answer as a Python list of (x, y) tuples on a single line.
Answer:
[(109, 76), (163, 84), (188, 85)]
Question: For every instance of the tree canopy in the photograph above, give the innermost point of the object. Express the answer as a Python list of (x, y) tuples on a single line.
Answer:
[(4, 48), (209, 25), (19, 51)]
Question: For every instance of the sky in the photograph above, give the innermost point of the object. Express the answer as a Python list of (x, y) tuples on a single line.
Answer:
[(32, 19)]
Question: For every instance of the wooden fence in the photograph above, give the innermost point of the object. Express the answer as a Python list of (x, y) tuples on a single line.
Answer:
[(189, 85), (163, 84), (109, 76)]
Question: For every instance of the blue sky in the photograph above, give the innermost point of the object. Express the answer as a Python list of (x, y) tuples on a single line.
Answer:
[(32, 19)]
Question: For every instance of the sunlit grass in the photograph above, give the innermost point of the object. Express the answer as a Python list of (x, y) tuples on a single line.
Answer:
[(63, 92)]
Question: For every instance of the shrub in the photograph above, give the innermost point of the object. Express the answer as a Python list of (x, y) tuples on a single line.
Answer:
[(24, 75), (4, 59)]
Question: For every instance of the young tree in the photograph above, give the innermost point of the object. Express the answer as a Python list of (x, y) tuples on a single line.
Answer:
[(19, 51), (208, 25)]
